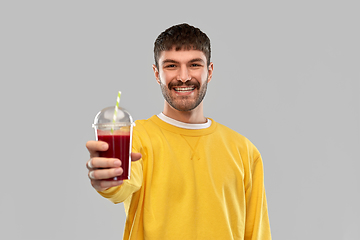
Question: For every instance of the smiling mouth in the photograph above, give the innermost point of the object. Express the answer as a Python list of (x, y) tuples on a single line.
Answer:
[(184, 89)]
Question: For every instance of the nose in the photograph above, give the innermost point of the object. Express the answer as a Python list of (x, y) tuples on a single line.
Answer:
[(184, 75)]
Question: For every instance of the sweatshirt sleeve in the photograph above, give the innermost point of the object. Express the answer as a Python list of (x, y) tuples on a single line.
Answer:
[(257, 225), (121, 193)]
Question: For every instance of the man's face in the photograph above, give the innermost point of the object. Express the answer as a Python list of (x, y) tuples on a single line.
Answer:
[(183, 76)]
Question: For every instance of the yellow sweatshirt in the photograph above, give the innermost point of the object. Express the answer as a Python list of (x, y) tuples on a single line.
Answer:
[(193, 184)]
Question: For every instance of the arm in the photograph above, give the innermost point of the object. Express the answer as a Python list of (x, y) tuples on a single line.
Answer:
[(257, 219)]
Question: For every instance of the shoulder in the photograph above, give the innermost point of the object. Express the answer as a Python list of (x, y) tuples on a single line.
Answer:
[(140, 134), (144, 124), (230, 133), (146, 129), (235, 139)]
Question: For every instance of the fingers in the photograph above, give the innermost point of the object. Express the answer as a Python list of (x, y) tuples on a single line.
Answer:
[(96, 146), (101, 174), (97, 162), (101, 178), (102, 170)]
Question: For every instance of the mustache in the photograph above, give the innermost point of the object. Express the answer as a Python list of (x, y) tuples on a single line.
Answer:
[(178, 83)]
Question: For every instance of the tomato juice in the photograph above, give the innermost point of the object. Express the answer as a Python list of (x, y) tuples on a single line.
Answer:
[(119, 147)]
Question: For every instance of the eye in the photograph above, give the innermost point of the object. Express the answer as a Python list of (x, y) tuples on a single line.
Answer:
[(195, 65), (170, 66)]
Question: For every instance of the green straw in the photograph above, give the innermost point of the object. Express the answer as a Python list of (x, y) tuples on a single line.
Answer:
[(115, 112)]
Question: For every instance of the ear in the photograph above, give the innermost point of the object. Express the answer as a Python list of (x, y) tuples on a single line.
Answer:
[(210, 71), (156, 73)]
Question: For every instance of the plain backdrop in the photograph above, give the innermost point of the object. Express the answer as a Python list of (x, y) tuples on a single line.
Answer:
[(286, 76)]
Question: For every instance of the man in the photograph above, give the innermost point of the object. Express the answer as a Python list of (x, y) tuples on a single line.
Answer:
[(191, 177)]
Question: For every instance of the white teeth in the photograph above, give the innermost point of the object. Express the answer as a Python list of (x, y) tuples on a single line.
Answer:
[(184, 89)]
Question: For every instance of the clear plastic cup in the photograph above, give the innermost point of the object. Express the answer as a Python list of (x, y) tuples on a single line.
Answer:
[(117, 134)]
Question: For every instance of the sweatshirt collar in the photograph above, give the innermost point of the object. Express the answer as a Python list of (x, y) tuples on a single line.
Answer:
[(179, 124)]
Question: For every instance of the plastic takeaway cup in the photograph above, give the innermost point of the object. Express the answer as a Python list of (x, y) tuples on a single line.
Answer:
[(118, 134)]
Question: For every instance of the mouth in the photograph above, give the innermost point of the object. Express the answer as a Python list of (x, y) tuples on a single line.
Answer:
[(184, 89)]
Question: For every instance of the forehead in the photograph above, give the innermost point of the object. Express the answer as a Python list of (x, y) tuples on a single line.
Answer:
[(182, 55)]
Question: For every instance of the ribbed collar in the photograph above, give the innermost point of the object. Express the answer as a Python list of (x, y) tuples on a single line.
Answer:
[(182, 124), (184, 131)]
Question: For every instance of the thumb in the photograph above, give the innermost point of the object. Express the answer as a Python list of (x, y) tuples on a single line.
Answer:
[(135, 156)]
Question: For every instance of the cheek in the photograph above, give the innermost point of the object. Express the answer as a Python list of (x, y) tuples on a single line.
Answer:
[(168, 77), (204, 77), (164, 77)]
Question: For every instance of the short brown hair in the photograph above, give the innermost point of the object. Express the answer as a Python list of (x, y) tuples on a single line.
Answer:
[(182, 36)]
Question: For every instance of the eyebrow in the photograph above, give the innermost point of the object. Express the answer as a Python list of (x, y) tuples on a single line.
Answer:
[(191, 61), (169, 61), (196, 60)]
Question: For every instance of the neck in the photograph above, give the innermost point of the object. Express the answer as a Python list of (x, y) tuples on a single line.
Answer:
[(194, 116)]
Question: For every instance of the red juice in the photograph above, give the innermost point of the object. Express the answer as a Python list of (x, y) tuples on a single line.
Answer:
[(119, 147)]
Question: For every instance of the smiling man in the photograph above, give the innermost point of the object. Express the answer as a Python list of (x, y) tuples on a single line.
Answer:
[(183, 76), (191, 177)]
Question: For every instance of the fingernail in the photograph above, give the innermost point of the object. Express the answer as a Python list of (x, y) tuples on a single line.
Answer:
[(118, 171), (91, 174), (117, 163), (89, 164)]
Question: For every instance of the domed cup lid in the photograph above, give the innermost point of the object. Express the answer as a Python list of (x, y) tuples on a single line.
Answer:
[(105, 117)]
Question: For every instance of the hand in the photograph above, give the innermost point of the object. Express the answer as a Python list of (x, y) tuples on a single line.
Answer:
[(103, 169)]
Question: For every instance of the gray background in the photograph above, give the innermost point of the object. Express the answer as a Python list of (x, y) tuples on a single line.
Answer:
[(286, 75)]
